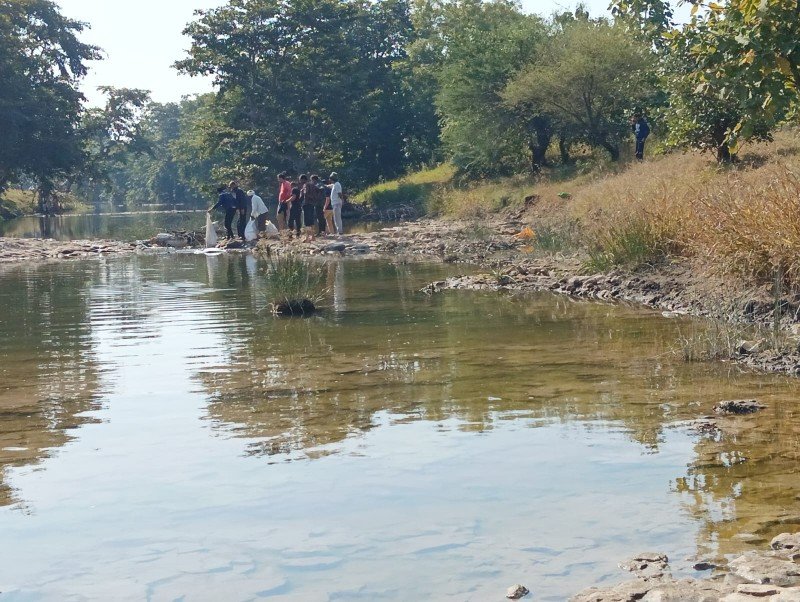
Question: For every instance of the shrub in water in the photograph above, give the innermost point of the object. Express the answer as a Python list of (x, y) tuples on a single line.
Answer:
[(295, 286)]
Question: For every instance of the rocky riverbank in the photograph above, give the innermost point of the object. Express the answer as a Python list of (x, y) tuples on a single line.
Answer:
[(30, 249), (772, 575)]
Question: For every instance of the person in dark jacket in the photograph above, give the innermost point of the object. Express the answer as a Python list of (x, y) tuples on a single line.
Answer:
[(227, 202), (641, 130), (296, 206), (242, 204)]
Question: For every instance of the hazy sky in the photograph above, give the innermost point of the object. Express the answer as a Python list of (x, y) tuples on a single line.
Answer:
[(142, 38)]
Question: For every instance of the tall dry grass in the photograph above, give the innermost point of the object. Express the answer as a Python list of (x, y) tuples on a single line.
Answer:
[(742, 219)]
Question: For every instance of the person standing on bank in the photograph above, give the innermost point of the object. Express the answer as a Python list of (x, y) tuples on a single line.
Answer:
[(296, 206), (227, 202), (309, 194), (258, 210), (241, 207), (327, 211), (284, 194), (641, 130), (337, 201), (319, 202)]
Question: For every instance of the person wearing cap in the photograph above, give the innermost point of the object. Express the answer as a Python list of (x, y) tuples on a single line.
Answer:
[(258, 210), (337, 201)]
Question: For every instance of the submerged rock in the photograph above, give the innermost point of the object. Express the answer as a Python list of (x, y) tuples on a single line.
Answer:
[(738, 406), (304, 307), (646, 565), (515, 592)]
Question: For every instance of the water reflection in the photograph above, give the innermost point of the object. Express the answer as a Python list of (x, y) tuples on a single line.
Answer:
[(365, 451), (49, 376)]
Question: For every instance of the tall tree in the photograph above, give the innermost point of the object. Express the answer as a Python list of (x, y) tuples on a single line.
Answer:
[(41, 63), (305, 83), (591, 77), (483, 45)]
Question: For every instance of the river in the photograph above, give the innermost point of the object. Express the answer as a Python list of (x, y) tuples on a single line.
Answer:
[(162, 438)]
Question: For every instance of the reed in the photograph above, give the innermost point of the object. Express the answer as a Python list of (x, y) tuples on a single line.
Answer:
[(295, 286)]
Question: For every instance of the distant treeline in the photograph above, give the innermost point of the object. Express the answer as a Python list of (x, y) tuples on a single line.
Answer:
[(374, 89)]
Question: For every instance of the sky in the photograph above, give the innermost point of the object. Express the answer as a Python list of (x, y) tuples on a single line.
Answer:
[(141, 39)]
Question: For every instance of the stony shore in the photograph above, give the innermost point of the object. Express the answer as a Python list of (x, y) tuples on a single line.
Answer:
[(772, 575), (34, 249)]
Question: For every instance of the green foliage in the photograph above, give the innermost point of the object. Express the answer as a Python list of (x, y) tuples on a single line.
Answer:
[(305, 84), (590, 77), (291, 279), (482, 46), (41, 64), (631, 242), (414, 189)]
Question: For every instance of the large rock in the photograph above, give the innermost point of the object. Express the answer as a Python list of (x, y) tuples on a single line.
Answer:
[(786, 542), (515, 592), (757, 568), (646, 565)]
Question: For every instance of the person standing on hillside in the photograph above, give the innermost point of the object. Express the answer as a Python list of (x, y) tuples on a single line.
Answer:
[(641, 130), (284, 194), (241, 207), (258, 210), (337, 201), (227, 202)]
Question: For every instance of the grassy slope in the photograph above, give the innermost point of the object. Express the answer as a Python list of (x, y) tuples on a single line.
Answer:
[(741, 219), (16, 203)]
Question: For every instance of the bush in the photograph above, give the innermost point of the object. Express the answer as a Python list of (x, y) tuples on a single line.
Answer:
[(295, 286), (631, 243)]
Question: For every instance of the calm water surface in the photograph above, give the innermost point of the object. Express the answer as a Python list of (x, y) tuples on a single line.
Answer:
[(137, 225), (162, 439)]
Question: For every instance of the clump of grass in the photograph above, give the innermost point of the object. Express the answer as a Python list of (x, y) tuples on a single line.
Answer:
[(553, 239), (415, 189), (295, 286), (717, 340), (632, 242)]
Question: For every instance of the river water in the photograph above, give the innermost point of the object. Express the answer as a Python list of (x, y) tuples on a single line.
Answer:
[(162, 438)]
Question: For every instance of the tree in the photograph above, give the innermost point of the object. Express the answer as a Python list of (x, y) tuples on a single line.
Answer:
[(41, 63), (591, 77), (483, 46), (305, 83), (747, 54)]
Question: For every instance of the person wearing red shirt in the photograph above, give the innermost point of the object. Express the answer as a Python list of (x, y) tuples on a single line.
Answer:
[(284, 195)]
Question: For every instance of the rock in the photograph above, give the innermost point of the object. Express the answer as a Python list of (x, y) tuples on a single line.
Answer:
[(738, 406), (757, 590), (646, 565), (685, 590), (624, 592), (757, 568), (786, 542), (335, 247), (515, 592), (703, 566), (747, 347)]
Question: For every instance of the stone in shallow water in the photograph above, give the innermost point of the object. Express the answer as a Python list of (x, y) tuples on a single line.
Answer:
[(789, 542), (738, 406), (515, 592)]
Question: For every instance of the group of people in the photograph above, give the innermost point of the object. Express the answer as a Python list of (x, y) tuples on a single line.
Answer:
[(306, 205)]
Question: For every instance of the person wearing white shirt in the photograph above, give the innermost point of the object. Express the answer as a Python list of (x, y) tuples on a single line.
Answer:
[(258, 210), (336, 202)]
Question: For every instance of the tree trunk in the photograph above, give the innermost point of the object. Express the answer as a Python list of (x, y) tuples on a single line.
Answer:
[(539, 143), (612, 149), (724, 153)]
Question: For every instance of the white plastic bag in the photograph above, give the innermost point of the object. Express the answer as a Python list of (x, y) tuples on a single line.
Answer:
[(271, 229), (211, 232), (251, 230)]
